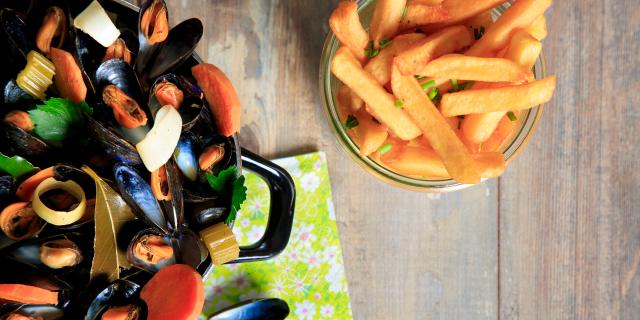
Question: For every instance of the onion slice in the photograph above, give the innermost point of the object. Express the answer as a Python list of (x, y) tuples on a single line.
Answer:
[(158, 145), (95, 22), (59, 218)]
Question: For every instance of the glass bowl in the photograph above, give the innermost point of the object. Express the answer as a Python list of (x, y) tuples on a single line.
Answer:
[(526, 124)]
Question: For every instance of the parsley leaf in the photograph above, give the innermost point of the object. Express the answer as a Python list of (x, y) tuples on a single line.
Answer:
[(58, 119), (229, 182), (16, 166)]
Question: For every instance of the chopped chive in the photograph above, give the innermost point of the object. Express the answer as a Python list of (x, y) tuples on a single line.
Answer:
[(468, 85), (478, 33), (404, 12), (351, 122), (419, 76), (428, 84), (398, 104), (433, 93), (370, 51), (384, 43), (385, 148), (454, 84), (512, 116)]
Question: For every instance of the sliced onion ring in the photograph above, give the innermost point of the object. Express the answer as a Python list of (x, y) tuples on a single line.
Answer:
[(59, 218), (158, 145)]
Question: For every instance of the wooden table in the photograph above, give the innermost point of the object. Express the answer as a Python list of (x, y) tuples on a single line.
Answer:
[(557, 237)]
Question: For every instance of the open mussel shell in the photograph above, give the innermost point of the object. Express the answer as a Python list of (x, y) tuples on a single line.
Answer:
[(191, 103), (37, 312), (173, 208), (186, 155), (14, 95), (15, 272), (151, 250), (112, 144), (17, 41), (120, 74), (148, 48), (139, 196), (119, 293), (58, 254), (49, 24), (189, 248), (182, 41)]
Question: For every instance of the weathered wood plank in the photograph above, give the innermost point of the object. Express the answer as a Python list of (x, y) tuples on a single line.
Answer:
[(570, 232)]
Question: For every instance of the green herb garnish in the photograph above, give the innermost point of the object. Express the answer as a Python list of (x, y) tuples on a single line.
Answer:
[(428, 84), (433, 94), (398, 104), (385, 148), (419, 76), (384, 43), (351, 122), (370, 51), (404, 12), (58, 119), (512, 116), (454, 85), (15, 166), (229, 182)]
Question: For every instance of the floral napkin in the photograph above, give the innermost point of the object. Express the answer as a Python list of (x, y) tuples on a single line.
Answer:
[(309, 274)]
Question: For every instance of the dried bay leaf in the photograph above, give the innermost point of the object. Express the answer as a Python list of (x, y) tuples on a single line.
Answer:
[(111, 213)]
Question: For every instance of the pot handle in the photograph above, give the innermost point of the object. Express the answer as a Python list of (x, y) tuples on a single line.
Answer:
[(283, 196)]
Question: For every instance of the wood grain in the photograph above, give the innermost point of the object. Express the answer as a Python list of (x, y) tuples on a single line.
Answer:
[(558, 237)]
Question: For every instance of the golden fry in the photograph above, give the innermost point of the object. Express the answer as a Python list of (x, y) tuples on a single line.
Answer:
[(380, 66), (379, 102), (520, 15), (461, 10), (516, 97), (386, 20), (419, 14), (457, 66), (345, 24), (435, 128), (538, 28), (449, 40), (427, 2), (523, 49)]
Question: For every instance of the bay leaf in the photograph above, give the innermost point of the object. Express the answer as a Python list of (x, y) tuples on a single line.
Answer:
[(111, 213)]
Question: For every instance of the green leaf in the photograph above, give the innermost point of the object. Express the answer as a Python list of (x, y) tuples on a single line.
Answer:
[(224, 180), (58, 119), (16, 166), (238, 196)]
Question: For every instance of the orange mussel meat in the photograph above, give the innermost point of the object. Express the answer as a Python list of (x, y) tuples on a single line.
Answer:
[(18, 221), (126, 110), (168, 93), (160, 184), (155, 22), (54, 27), (118, 50)]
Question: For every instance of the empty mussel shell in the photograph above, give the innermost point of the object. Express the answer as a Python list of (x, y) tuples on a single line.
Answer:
[(180, 44), (119, 294)]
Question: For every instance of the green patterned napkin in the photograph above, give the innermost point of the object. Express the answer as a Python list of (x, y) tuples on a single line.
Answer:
[(309, 274)]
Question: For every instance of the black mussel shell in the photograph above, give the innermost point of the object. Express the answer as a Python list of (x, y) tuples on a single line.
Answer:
[(144, 264), (186, 155), (118, 293), (256, 309), (120, 74), (206, 216), (12, 94), (13, 271), (189, 249), (191, 109), (174, 209), (18, 42), (138, 195), (180, 44), (20, 142), (43, 312), (6, 188), (112, 144), (65, 172), (146, 51)]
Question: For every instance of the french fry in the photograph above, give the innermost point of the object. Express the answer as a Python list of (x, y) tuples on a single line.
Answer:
[(380, 66), (483, 19), (424, 162), (517, 97), (345, 24), (344, 102), (435, 127), (538, 28), (446, 41), (461, 10), (380, 103), (457, 66), (397, 146), (500, 135), (477, 128), (386, 20), (427, 2), (419, 14), (523, 49), (520, 15), (368, 135)]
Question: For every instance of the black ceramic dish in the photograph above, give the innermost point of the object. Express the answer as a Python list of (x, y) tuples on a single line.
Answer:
[(281, 185)]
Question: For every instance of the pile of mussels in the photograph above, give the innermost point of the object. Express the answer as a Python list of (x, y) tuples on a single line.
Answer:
[(125, 84)]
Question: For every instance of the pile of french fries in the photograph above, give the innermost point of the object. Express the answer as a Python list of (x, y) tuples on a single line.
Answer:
[(435, 87)]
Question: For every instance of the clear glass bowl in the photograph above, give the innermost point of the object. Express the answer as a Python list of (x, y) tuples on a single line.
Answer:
[(329, 85)]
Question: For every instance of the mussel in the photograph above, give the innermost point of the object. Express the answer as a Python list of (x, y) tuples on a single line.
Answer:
[(182, 94), (151, 250), (16, 36), (53, 30), (112, 144), (180, 44), (36, 285), (58, 253), (19, 221), (120, 300), (30, 312), (153, 29)]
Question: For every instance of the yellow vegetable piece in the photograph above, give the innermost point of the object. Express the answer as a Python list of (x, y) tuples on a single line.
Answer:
[(37, 76), (221, 243)]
